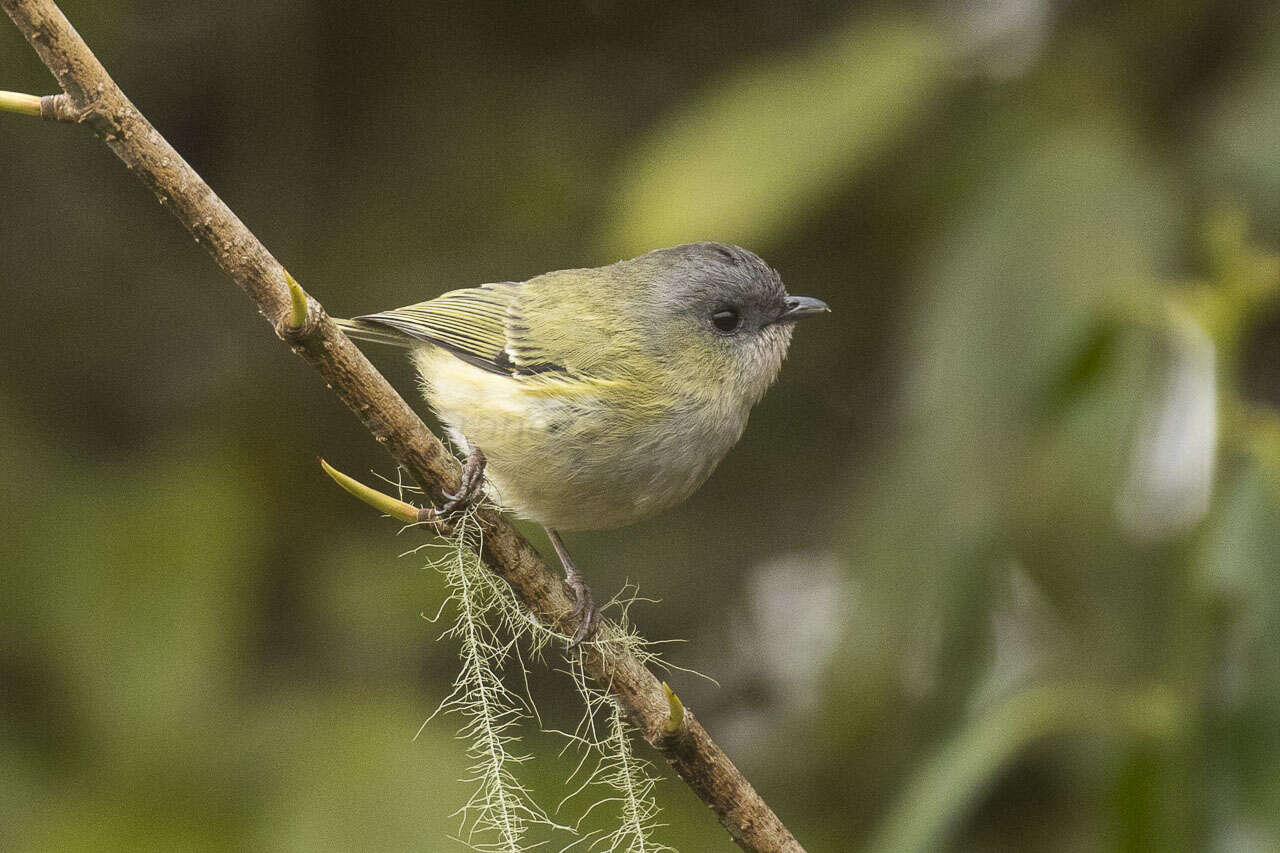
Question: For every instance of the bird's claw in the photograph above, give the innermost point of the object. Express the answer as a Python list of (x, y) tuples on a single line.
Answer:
[(586, 612), (471, 488)]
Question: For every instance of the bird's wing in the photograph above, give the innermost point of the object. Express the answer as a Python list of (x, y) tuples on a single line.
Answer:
[(470, 323), (514, 329)]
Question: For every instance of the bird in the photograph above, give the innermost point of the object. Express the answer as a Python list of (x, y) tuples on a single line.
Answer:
[(589, 399)]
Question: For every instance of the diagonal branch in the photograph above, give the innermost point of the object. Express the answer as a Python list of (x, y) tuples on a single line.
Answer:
[(89, 96)]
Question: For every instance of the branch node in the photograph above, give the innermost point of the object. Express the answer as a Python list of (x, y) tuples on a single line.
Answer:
[(60, 108)]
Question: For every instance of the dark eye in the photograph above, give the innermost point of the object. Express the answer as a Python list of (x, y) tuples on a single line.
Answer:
[(726, 320)]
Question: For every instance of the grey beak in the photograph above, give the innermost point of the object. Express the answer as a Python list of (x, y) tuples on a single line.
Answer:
[(801, 306)]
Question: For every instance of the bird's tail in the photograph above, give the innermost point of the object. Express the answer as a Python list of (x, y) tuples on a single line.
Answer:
[(362, 330)]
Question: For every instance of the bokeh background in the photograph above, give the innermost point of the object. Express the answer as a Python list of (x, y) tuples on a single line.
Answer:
[(995, 567)]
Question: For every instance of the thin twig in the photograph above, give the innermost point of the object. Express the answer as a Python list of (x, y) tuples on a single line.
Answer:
[(92, 98)]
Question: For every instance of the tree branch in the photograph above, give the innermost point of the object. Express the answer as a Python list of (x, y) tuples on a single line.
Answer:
[(91, 97)]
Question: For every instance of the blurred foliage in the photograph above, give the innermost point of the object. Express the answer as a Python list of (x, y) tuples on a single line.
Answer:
[(756, 151), (994, 568)]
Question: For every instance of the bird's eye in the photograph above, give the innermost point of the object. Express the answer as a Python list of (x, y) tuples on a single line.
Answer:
[(726, 320)]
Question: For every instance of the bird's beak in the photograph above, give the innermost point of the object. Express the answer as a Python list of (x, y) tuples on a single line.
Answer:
[(801, 306)]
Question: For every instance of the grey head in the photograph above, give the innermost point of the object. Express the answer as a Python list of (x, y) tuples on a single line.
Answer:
[(724, 316)]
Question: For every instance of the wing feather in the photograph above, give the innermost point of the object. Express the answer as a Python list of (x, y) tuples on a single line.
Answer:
[(572, 343), (474, 323)]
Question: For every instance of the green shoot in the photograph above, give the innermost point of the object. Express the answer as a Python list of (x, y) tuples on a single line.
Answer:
[(16, 102)]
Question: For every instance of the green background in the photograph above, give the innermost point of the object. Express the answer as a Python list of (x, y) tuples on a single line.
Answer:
[(996, 565)]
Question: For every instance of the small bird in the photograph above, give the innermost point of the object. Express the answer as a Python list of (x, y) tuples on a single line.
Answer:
[(593, 398)]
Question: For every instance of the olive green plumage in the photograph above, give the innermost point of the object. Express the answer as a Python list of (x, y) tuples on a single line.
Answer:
[(601, 396)]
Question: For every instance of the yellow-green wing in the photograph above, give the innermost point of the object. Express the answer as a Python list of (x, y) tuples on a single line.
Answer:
[(554, 326), (573, 319), (470, 323), (481, 325)]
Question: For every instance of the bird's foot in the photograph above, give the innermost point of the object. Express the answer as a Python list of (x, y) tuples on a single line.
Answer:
[(471, 488), (586, 612)]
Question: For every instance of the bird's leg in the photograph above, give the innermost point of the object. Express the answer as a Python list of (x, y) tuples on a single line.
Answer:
[(472, 487), (586, 611)]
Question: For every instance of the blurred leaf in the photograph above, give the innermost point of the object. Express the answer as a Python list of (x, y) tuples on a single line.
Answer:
[(747, 158), (991, 460), (1010, 310), (949, 784), (352, 776), (1239, 565), (147, 603), (1237, 143), (137, 600)]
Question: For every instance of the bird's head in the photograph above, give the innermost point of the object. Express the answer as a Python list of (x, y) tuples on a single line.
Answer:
[(719, 318)]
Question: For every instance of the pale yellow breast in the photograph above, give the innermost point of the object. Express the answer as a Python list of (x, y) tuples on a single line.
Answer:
[(567, 458)]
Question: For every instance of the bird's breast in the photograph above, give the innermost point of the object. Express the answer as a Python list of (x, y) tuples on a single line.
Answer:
[(584, 458)]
